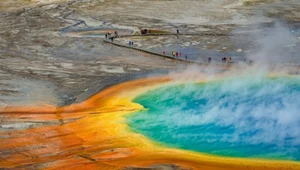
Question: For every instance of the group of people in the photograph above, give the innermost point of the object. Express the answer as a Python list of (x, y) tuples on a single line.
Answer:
[(130, 43), (177, 54), (109, 36), (226, 59)]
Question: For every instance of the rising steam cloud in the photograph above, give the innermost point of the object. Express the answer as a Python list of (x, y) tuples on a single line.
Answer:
[(248, 111)]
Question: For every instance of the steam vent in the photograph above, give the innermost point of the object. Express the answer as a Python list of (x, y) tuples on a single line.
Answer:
[(150, 84)]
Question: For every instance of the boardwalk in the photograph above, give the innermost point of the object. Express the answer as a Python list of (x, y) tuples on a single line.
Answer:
[(181, 58), (151, 52)]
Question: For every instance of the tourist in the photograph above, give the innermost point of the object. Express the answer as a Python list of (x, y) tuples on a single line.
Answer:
[(173, 53), (180, 54), (116, 34), (129, 43), (164, 52), (177, 31), (209, 59), (185, 57), (106, 36), (176, 54), (224, 59)]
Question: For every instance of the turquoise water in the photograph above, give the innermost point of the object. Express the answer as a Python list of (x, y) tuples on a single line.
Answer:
[(241, 117)]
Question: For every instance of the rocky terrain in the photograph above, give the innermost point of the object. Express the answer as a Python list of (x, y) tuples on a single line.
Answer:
[(34, 51)]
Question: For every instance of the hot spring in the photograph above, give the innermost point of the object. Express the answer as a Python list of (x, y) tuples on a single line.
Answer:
[(249, 117)]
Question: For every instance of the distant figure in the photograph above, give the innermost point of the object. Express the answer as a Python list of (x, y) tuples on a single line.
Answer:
[(228, 60), (209, 59), (116, 33), (112, 39), (185, 57), (106, 36), (180, 54), (224, 59), (144, 31), (173, 53), (164, 53), (177, 31), (176, 54), (129, 43)]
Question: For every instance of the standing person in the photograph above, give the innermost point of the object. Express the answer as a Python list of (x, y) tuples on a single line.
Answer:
[(185, 57), (209, 59), (116, 34), (179, 54), (224, 59), (106, 36), (129, 43), (177, 31), (164, 52), (176, 54)]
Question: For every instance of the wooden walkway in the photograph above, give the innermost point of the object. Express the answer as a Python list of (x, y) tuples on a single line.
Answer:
[(182, 58), (175, 34)]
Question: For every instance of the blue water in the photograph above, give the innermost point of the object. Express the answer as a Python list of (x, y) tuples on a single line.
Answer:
[(241, 117)]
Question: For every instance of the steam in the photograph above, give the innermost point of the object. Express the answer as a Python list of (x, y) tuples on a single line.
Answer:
[(273, 45), (248, 107)]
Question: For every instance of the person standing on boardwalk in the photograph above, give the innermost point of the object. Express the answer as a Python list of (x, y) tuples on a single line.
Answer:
[(228, 60), (173, 53)]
